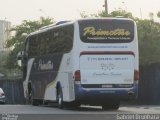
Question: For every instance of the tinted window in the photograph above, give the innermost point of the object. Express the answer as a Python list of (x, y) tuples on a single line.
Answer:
[(106, 31), (57, 40), (61, 40), (33, 47)]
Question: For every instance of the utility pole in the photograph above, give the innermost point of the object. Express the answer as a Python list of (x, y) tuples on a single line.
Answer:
[(106, 6), (41, 10), (141, 13)]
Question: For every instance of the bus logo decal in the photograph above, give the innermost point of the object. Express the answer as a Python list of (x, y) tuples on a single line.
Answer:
[(45, 65), (115, 32)]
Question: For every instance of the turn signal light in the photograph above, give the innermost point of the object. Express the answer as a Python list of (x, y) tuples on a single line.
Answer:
[(77, 75), (136, 75)]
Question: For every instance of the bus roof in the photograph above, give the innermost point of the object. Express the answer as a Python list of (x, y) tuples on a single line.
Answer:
[(63, 23), (48, 27)]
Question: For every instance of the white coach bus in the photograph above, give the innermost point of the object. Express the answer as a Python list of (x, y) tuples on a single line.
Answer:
[(87, 61)]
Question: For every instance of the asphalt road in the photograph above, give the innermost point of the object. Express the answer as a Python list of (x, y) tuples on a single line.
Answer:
[(28, 112)]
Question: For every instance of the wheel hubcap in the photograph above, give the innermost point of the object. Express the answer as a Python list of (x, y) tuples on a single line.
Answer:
[(59, 100)]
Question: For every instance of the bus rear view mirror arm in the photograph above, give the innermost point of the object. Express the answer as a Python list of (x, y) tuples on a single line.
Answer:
[(20, 55)]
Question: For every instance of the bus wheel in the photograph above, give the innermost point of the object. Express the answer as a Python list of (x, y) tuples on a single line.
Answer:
[(74, 105), (32, 101), (111, 106), (60, 98)]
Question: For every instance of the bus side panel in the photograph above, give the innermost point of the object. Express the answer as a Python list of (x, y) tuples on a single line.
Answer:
[(44, 73), (65, 77)]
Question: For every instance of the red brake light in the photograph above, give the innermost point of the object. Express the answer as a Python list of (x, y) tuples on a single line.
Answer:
[(136, 75), (2, 94), (77, 75)]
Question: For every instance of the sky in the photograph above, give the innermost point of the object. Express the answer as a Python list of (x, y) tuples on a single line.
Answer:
[(16, 11)]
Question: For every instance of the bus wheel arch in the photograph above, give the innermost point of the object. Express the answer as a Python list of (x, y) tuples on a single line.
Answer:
[(30, 95)]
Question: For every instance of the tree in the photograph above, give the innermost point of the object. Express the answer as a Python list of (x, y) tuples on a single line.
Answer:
[(149, 41), (158, 14), (115, 13), (151, 16), (122, 13), (17, 41)]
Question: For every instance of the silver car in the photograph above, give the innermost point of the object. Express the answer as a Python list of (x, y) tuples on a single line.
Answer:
[(2, 96)]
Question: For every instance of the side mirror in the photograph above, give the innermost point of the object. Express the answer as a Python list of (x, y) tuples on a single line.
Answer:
[(20, 56), (19, 62)]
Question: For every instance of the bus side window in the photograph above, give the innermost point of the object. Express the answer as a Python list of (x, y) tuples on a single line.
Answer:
[(68, 38), (42, 43), (48, 42), (32, 47)]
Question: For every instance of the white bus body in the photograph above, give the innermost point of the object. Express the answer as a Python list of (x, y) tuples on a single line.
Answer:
[(99, 68)]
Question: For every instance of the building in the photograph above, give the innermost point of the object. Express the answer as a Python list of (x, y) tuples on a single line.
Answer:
[(4, 33)]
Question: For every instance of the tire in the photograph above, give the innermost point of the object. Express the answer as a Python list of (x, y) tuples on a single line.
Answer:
[(73, 105), (60, 98), (111, 106), (33, 101)]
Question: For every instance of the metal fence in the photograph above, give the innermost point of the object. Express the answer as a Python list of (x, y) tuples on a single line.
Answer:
[(13, 91), (149, 84)]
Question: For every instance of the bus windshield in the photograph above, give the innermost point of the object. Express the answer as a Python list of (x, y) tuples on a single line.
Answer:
[(106, 31)]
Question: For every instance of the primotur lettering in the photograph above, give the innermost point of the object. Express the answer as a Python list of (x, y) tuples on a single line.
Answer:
[(100, 32)]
